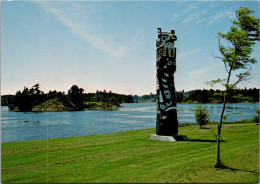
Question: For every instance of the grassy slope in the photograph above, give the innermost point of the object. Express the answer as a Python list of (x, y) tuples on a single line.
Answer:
[(130, 157)]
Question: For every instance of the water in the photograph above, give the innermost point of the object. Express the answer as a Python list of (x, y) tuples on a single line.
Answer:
[(18, 126)]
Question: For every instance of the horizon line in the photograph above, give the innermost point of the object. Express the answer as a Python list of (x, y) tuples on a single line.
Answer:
[(107, 91)]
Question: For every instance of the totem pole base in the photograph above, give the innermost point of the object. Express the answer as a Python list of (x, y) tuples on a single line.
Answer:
[(169, 138)]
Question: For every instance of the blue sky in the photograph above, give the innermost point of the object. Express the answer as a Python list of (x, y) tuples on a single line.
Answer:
[(111, 45)]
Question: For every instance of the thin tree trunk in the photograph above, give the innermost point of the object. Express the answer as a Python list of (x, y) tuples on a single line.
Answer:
[(219, 164)]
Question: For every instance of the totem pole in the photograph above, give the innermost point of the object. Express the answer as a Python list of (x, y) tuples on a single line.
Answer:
[(167, 122)]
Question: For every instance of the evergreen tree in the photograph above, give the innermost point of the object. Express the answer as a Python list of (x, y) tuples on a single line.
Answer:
[(75, 95)]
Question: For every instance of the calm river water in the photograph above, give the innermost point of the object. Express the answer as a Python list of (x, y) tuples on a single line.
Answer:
[(18, 126)]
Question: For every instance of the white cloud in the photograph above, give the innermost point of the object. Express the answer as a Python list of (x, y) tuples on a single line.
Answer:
[(189, 8), (204, 70), (191, 18), (78, 21), (217, 16), (221, 15), (196, 18), (187, 53), (175, 16), (200, 21)]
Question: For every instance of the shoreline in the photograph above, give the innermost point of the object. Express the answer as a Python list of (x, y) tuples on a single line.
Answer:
[(180, 125), (114, 107)]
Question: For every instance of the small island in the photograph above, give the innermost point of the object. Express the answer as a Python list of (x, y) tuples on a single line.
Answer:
[(35, 100)]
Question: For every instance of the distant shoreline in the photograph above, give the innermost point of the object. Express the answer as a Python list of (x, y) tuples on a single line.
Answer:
[(107, 108)]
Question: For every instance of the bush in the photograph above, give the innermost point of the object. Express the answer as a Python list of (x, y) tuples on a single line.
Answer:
[(91, 104), (242, 120), (201, 115), (256, 117)]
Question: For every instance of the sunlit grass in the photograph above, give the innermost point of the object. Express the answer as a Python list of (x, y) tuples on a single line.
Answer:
[(130, 156)]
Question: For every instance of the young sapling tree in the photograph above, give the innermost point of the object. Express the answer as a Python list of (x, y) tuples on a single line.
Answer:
[(236, 56)]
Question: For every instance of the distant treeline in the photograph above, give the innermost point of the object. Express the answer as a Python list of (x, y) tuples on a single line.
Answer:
[(208, 96), (74, 99)]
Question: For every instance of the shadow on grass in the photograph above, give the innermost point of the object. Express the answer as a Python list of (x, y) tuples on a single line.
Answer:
[(234, 169), (203, 140)]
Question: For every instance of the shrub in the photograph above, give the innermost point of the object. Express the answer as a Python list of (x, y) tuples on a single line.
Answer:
[(256, 117), (242, 120), (201, 115), (91, 104)]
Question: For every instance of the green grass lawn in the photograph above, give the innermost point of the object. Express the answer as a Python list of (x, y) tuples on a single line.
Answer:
[(129, 156)]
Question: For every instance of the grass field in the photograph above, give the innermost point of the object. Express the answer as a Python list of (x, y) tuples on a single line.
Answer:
[(129, 156)]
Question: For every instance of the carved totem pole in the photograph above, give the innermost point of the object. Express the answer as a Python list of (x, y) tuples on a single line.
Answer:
[(167, 122)]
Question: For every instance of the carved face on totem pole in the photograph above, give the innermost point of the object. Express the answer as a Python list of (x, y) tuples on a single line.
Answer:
[(167, 123)]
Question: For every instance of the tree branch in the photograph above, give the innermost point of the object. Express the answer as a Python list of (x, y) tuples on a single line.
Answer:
[(226, 66), (244, 77), (218, 57), (219, 45)]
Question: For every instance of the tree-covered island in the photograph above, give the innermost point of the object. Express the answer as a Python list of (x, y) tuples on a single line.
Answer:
[(75, 99)]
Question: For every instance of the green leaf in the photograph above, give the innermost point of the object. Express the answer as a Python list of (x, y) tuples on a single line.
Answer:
[(214, 82)]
